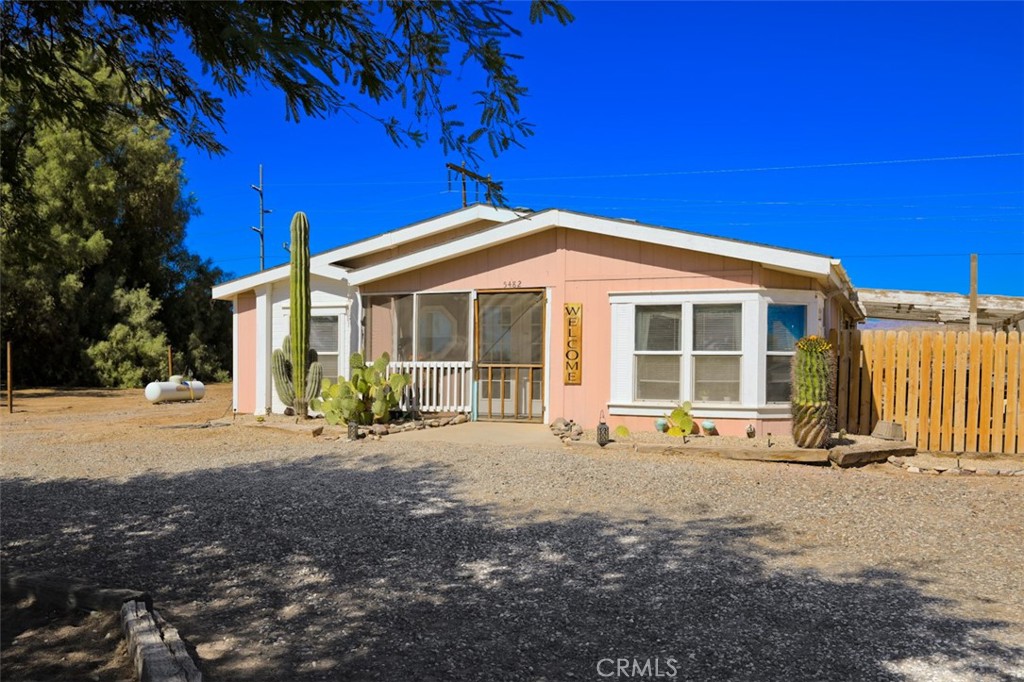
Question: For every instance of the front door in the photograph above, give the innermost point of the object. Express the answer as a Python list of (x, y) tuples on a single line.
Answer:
[(510, 355)]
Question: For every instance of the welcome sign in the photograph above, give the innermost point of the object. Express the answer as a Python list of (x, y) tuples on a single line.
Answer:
[(572, 360)]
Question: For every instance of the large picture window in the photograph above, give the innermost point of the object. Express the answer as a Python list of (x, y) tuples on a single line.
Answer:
[(729, 353)]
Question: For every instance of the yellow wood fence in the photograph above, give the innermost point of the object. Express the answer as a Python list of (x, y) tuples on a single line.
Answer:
[(951, 391)]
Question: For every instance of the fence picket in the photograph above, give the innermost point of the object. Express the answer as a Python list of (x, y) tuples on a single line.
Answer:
[(960, 394), (899, 406), (864, 416), (937, 389), (948, 373), (985, 398), (998, 392), (843, 380), (853, 408), (1013, 366), (889, 376), (913, 387), (924, 419), (973, 391)]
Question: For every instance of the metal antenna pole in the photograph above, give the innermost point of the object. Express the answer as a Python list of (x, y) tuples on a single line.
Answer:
[(263, 212)]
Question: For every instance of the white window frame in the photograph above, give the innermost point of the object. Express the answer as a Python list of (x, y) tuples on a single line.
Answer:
[(808, 313), (694, 354), (754, 344), (664, 353), (414, 353)]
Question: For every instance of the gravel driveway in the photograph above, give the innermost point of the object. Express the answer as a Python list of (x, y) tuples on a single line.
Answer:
[(281, 557)]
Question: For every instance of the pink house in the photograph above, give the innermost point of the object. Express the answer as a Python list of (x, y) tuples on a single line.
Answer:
[(534, 316)]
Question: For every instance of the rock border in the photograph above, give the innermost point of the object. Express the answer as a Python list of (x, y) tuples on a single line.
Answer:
[(955, 470), (154, 647)]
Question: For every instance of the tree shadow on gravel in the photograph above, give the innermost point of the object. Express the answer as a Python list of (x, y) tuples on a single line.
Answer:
[(342, 568)]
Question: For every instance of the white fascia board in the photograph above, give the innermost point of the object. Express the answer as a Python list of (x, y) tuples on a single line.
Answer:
[(499, 234), (415, 231), (803, 263), (807, 264), (228, 290)]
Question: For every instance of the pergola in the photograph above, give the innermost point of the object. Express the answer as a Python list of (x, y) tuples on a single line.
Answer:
[(1004, 313)]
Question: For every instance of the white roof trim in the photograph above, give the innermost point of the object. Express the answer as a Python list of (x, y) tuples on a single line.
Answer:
[(321, 263), (804, 263), (442, 223), (229, 290)]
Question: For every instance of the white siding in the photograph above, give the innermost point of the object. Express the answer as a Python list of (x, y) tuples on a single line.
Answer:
[(327, 297)]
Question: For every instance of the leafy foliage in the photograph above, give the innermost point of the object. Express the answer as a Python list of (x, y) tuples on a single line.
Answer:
[(134, 351), (79, 222), (324, 57), (367, 397)]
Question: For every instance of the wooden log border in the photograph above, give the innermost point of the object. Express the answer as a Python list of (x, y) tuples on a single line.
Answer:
[(154, 647)]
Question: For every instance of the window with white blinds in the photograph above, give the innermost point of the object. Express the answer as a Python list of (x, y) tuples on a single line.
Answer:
[(727, 352), (717, 351), (323, 338), (657, 352)]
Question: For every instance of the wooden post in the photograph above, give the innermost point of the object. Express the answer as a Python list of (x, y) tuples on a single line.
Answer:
[(10, 386), (170, 364), (974, 293)]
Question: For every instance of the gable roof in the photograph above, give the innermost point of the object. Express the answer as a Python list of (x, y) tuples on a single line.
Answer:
[(510, 225), (323, 263), (788, 260)]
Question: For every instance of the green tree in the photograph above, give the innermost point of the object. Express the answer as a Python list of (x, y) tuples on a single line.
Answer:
[(134, 350), (80, 222), (324, 57)]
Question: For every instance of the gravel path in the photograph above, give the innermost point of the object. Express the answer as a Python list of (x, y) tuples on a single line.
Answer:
[(283, 557)]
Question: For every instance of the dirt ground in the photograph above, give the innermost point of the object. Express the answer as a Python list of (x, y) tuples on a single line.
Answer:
[(278, 555)]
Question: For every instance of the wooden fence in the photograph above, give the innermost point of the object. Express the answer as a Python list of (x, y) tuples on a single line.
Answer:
[(951, 391)]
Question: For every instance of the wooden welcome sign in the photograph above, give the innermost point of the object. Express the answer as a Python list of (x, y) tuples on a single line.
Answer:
[(572, 359)]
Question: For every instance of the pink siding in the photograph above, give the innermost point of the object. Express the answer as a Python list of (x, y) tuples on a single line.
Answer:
[(245, 310), (583, 267)]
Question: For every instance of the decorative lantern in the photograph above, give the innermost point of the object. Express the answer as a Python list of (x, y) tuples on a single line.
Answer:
[(603, 437), (750, 431), (353, 431)]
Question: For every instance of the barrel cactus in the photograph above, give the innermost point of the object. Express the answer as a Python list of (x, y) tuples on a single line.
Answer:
[(300, 304), (813, 401), (281, 368)]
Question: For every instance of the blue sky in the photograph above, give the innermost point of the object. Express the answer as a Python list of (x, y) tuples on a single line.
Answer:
[(801, 125)]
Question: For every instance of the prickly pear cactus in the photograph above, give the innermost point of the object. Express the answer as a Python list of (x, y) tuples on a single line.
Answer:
[(813, 402)]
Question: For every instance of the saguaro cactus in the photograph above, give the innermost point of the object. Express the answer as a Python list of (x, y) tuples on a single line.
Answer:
[(813, 404), (281, 367), (300, 304)]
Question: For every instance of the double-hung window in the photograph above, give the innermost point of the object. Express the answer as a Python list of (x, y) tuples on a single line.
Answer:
[(323, 338), (658, 352), (786, 325), (717, 352)]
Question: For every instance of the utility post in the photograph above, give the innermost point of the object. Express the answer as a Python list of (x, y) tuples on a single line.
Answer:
[(263, 212), (490, 186), (973, 310)]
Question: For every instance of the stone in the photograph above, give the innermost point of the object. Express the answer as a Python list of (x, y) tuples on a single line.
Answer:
[(318, 430), (434, 423), (914, 470), (953, 472), (380, 429), (987, 472), (421, 425), (560, 423), (933, 472), (460, 419), (1019, 472)]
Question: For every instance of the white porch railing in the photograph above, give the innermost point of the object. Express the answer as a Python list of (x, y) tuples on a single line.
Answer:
[(436, 386)]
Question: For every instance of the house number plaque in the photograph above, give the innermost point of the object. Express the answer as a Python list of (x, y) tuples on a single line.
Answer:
[(572, 368)]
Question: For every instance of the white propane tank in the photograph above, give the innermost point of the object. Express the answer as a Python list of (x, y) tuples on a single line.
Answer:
[(171, 391)]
